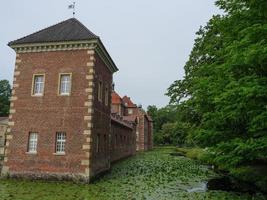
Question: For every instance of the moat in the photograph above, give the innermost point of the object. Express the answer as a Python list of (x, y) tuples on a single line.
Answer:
[(153, 175)]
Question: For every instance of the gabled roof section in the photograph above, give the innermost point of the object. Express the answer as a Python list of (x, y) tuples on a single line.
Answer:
[(128, 102), (68, 30), (115, 98)]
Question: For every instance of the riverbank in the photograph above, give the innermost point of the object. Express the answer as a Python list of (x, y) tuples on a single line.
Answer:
[(250, 176), (150, 175)]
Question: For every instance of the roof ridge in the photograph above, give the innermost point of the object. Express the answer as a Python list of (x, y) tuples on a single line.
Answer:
[(48, 28), (84, 26)]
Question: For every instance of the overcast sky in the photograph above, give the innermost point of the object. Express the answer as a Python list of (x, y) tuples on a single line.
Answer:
[(149, 40)]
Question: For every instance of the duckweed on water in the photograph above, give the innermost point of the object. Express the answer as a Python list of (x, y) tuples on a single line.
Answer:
[(153, 175)]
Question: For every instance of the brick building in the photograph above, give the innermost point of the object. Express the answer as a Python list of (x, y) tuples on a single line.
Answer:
[(60, 122), (131, 112)]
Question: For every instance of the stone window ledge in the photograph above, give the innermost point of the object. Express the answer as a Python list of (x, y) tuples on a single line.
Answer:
[(59, 154), (31, 153)]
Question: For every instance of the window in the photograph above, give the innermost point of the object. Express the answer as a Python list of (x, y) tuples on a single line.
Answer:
[(130, 111), (32, 144), (65, 84), (38, 85), (60, 142), (106, 96), (100, 90)]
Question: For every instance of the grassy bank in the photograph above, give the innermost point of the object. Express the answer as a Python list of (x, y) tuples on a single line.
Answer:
[(255, 174), (154, 175)]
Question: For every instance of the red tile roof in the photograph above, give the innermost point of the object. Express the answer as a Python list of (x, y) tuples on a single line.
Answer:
[(127, 102), (115, 98)]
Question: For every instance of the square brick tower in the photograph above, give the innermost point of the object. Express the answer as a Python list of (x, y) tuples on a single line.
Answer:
[(59, 120)]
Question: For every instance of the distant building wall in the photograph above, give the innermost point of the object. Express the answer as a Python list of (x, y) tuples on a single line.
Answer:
[(123, 141), (144, 132), (150, 134), (144, 127)]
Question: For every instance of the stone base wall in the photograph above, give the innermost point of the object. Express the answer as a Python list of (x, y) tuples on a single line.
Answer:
[(48, 176)]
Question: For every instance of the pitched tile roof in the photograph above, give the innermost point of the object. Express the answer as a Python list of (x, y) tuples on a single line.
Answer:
[(115, 98), (128, 102), (68, 30)]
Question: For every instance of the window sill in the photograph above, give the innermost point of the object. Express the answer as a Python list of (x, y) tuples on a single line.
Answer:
[(64, 95), (59, 154), (31, 153), (37, 95)]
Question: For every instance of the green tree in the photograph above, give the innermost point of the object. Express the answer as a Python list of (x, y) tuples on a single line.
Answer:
[(5, 93), (160, 117), (223, 94)]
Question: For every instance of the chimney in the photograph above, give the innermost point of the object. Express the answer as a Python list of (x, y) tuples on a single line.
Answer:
[(113, 87)]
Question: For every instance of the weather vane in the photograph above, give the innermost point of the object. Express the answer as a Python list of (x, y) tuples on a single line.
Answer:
[(72, 6)]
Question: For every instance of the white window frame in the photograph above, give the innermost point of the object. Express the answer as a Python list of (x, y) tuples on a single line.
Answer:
[(60, 142), (66, 86), (130, 111), (32, 142), (40, 85)]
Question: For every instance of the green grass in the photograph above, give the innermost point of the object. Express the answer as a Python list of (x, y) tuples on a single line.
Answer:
[(153, 175)]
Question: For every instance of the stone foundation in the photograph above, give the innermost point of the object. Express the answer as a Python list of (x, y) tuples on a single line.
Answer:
[(77, 178)]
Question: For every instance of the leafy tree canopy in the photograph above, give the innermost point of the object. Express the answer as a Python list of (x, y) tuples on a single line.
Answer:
[(5, 93)]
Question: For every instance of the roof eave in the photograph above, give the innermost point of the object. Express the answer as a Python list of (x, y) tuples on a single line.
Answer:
[(106, 55), (94, 44)]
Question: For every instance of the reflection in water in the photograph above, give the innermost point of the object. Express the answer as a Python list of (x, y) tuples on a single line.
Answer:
[(200, 188)]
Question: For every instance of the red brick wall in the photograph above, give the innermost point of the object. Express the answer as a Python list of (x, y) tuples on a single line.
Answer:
[(145, 132), (123, 141), (49, 114), (100, 161)]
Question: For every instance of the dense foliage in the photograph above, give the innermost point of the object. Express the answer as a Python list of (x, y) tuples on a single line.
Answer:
[(221, 102), (5, 93), (223, 94)]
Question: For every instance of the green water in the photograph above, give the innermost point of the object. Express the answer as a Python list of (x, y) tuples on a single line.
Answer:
[(153, 175)]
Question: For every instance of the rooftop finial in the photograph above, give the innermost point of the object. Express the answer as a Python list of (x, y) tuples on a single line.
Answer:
[(72, 6)]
